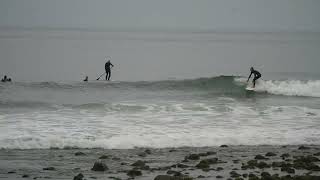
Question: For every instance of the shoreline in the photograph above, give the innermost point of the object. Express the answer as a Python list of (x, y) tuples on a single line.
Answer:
[(235, 162)]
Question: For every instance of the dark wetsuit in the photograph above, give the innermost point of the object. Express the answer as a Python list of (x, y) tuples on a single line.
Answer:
[(108, 70), (256, 74)]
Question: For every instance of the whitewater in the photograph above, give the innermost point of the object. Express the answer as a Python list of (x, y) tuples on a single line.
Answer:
[(158, 114)]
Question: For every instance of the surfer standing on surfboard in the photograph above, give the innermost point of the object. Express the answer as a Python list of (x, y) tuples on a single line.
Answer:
[(107, 67), (256, 74)]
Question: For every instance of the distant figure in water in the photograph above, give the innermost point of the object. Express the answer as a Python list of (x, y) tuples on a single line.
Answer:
[(86, 79), (108, 70), (256, 74), (5, 79)]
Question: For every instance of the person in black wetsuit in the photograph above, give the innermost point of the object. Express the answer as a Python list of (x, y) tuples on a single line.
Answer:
[(108, 70), (5, 79), (256, 74), (86, 79)]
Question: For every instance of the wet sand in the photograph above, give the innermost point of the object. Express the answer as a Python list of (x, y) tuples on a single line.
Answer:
[(235, 162)]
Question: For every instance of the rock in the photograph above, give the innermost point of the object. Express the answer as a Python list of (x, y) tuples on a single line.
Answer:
[(193, 157), (202, 154), (104, 157), (253, 177), (185, 160), (142, 154), (306, 162), (238, 178), (115, 178), (270, 154), (205, 163), (134, 173), (171, 172), (78, 177), (285, 155), (99, 166), (252, 164), (179, 166), (148, 151), (260, 157), (49, 169), (200, 176), (139, 163), (25, 176), (162, 168), (304, 148), (115, 158), (11, 172), (236, 161), (262, 165), (219, 169), (245, 175), (275, 176), (209, 153), (288, 170), (234, 174), (167, 177), (174, 173), (317, 154), (219, 177), (79, 154), (224, 145), (172, 150), (265, 174)]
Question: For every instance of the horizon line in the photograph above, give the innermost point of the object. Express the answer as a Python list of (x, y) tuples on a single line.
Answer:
[(152, 30)]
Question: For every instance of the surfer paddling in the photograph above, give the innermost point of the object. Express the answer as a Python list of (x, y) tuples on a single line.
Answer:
[(256, 74), (86, 79), (5, 79)]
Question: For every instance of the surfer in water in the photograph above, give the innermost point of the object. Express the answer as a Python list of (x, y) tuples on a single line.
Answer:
[(256, 74), (107, 67), (86, 79)]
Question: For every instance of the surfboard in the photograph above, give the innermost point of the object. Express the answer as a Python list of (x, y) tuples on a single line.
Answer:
[(249, 88)]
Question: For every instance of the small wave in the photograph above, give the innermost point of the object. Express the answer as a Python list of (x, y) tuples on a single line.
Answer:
[(88, 106), (309, 88), (25, 104)]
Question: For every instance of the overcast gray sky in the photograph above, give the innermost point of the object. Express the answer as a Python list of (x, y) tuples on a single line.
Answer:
[(251, 15), (32, 48)]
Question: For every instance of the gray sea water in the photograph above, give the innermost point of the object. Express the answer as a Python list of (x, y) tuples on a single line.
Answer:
[(171, 113)]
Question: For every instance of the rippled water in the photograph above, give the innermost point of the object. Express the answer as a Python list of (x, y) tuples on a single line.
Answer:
[(198, 112)]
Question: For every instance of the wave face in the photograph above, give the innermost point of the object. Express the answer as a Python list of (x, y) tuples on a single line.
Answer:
[(172, 113)]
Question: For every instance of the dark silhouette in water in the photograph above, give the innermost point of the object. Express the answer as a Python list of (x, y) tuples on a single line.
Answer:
[(6, 79), (256, 74), (86, 79), (108, 70)]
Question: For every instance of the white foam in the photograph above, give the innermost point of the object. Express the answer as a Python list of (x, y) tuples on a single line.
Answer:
[(309, 88), (165, 125), (291, 87)]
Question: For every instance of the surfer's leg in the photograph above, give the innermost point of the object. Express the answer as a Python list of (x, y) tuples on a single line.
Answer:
[(254, 80), (109, 75)]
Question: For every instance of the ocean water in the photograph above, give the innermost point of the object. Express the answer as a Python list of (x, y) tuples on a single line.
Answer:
[(157, 114)]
